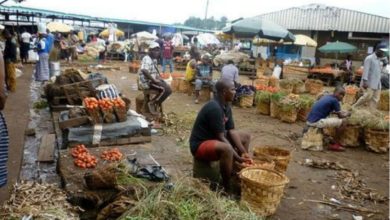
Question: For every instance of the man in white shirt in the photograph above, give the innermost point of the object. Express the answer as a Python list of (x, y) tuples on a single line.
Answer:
[(24, 45), (230, 72), (371, 79)]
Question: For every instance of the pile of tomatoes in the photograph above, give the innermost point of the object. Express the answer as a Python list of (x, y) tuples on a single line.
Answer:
[(112, 155), (91, 103), (83, 158)]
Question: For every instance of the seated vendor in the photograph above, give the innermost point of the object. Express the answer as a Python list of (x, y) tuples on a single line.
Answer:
[(213, 137), (149, 78), (204, 76), (191, 66), (230, 72), (318, 117)]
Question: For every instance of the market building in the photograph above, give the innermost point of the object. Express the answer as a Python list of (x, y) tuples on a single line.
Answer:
[(328, 24)]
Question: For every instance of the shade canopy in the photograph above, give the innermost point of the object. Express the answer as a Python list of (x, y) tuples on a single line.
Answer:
[(303, 40), (106, 33), (59, 27), (251, 27), (207, 38), (337, 47), (144, 35)]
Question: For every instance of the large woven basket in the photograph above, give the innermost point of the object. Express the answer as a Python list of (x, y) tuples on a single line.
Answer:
[(274, 82), (289, 116), (246, 101), (383, 103), (377, 141), (183, 85), (264, 161), (316, 88), (262, 189), (263, 108), (349, 98), (175, 84), (287, 88), (262, 81), (298, 88), (280, 156), (308, 85), (303, 113), (350, 137), (274, 109)]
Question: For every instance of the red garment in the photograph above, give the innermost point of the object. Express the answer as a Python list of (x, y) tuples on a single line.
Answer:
[(167, 50), (207, 151)]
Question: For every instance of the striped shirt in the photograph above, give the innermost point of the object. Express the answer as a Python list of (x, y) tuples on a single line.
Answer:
[(4, 142)]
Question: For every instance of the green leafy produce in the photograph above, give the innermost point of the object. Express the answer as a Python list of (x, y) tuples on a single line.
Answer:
[(263, 96), (306, 101), (277, 96)]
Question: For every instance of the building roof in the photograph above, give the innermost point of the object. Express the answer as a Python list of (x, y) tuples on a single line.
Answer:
[(50, 13), (325, 18)]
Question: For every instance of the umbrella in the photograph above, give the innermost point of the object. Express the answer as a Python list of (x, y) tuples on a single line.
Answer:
[(251, 27), (106, 33), (143, 35), (59, 27), (337, 47), (304, 40), (207, 38)]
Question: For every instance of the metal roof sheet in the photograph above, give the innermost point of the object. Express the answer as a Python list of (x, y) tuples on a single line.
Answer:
[(325, 18)]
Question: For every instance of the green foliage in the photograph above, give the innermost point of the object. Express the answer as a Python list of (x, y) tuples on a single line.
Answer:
[(188, 199), (41, 104), (306, 101), (209, 23), (263, 97), (277, 96)]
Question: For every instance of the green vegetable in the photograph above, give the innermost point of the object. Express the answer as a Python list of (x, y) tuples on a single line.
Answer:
[(263, 96)]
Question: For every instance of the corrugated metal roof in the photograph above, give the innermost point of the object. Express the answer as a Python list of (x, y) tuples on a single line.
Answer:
[(325, 18), (45, 13)]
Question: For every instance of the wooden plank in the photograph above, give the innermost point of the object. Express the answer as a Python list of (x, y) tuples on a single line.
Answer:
[(46, 149), (55, 116), (73, 122)]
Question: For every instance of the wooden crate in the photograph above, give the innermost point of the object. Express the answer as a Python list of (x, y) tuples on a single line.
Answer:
[(76, 92)]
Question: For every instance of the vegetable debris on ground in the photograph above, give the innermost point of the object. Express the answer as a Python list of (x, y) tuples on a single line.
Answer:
[(187, 199), (179, 125), (41, 201)]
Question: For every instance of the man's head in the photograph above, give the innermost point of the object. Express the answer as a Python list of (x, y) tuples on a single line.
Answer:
[(7, 34), (154, 50), (225, 90), (230, 62), (339, 93), (205, 59), (379, 52), (349, 57)]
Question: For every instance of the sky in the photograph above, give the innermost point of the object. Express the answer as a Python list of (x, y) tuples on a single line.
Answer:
[(177, 11)]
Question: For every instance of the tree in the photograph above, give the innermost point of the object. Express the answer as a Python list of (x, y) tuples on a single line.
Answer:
[(209, 23)]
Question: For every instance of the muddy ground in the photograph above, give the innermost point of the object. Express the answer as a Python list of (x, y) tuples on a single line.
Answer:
[(305, 183)]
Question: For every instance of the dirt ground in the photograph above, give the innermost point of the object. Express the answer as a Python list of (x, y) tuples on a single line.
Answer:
[(305, 183)]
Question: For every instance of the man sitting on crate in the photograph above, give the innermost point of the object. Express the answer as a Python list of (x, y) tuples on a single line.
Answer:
[(213, 136), (149, 78), (204, 76), (318, 116)]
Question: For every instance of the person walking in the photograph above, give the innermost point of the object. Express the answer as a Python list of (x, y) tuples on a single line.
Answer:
[(371, 79), (10, 60), (42, 72), (24, 45)]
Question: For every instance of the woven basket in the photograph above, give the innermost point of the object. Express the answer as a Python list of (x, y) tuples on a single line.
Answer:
[(289, 116), (205, 94), (287, 88), (316, 88), (121, 113), (303, 113), (183, 85), (308, 85), (263, 108), (313, 140), (280, 156), (175, 84), (246, 101), (350, 137), (298, 88), (108, 115), (274, 109), (95, 116), (377, 141), (264, 162), (349, 98), (274, 82), (262, 189), (383, 103), (263, 81)]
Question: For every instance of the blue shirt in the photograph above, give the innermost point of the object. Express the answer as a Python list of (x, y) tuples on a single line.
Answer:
[(322, 109), (204, 70), (49, 42)]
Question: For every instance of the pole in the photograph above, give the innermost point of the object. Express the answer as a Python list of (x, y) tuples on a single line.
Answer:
[(205, 15)]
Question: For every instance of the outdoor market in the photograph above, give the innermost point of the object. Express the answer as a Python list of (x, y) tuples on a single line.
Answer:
[(276, 115)]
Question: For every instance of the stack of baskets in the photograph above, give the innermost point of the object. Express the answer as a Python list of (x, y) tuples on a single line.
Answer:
[(246, 101), (280, 156)]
